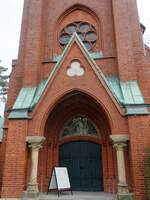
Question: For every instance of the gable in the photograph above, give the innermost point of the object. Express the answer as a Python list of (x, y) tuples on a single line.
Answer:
[(120, 93), (92, 80)]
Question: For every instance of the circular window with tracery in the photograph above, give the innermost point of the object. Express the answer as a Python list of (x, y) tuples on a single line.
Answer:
[(86, 32)]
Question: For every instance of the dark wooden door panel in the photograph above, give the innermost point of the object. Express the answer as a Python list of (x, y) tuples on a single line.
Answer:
[(83, 160)]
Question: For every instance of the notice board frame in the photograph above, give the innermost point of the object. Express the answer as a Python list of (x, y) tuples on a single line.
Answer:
[(56, 179)]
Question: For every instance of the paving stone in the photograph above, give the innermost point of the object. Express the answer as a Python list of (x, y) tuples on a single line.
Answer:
[(78, 196)]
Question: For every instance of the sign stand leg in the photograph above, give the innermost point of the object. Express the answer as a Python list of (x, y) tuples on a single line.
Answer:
[(71, 192), (58, 193)]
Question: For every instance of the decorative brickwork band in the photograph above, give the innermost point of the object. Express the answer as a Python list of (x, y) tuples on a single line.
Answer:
[(35, 143)]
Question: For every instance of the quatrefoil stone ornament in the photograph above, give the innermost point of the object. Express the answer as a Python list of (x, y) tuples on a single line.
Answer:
[(75, 69)]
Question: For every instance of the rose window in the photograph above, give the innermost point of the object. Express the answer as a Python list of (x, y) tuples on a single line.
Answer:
[(85, 31)]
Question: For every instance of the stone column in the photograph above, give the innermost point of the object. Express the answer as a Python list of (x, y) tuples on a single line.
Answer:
[(120, 142), (122, 186), (35, 143)]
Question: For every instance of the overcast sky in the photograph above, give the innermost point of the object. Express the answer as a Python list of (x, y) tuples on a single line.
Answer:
[(10, 23)]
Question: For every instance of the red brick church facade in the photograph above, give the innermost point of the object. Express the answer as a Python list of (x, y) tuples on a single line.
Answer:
[(81, 80)]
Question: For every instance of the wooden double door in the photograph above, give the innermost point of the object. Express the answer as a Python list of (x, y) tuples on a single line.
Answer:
[(84, 162)]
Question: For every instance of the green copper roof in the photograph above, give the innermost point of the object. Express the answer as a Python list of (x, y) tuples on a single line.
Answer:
[(94, 55), (57, 58), (1, 128), (126, 93), (136, 109), (19, 114), (131, 92), (26, 100), (114, 84), (38, 92), (97, 55)]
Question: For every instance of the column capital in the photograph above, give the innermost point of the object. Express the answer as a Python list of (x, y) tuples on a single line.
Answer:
[(119, 146), (35, 142), (35, 139), (119, 139)]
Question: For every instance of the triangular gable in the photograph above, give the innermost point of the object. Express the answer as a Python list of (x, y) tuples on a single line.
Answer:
[(118, 91), (75, 39), (135, 105)]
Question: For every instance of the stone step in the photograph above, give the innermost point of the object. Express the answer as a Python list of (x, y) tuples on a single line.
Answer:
[(78, 196)]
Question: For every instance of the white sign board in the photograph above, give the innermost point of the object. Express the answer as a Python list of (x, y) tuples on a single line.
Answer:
[(53, 183), (62, 178), (59, 179)]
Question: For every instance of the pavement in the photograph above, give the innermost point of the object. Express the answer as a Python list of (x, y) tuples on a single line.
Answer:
[(68, 196), (78, 196)]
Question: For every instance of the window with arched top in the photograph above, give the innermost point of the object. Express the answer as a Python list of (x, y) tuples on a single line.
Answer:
[(85, 30), (79, 126), (85, 22)]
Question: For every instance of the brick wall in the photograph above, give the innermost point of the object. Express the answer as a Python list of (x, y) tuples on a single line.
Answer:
[(139, 142), (13, 181), (120, 39)]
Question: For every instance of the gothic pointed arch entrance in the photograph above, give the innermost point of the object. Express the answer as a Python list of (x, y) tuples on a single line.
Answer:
[(83, 159), (77, 136)]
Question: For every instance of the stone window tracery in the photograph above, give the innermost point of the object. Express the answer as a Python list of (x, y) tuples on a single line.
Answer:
[(85, 30), (75, 69)]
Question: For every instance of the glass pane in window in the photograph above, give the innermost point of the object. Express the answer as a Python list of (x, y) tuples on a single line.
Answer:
[(84, 27), (87, 44), (64, 38), (71, 28), (81, 36), (91, 36)]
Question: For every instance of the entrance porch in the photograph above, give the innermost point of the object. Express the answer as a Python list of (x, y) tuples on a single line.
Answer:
[(77, 135)]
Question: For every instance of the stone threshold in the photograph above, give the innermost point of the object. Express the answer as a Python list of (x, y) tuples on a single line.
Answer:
[(68, 196)]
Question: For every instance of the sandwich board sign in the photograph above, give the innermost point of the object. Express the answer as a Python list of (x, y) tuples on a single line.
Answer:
[(59, 180)]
